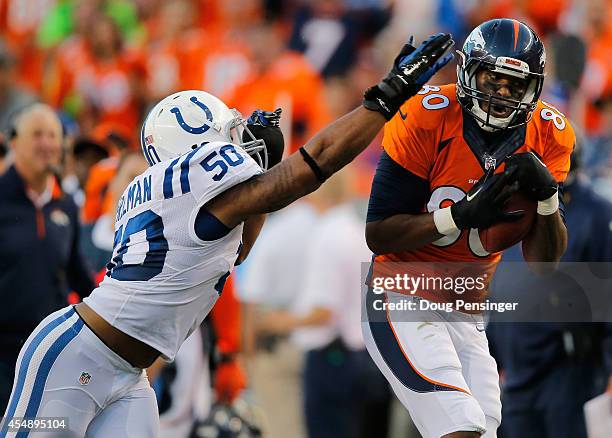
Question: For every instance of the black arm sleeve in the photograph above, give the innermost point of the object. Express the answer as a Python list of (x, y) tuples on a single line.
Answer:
[(395, 190)]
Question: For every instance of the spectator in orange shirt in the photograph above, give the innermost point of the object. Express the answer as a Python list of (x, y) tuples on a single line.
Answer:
[(19, 21), (105, 79), (221, 61), (58, 88), (115, 140), (111, 178), (167, 52), (282, 78), (86, 152), (12, 98), (218, 66)]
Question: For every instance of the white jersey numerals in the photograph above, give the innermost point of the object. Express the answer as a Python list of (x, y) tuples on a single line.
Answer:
[(433, 101), (454, 194), (552, 113)]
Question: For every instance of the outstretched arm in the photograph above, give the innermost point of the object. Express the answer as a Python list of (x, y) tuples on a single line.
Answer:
[(337, 144), (331, 149)]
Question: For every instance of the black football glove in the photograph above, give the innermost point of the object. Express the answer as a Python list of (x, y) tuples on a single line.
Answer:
[(411, 69), (265, 125), (533, 176), (483, 205)]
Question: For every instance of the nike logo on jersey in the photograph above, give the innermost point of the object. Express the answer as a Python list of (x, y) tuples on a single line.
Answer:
[(402, 115), (469, 197)]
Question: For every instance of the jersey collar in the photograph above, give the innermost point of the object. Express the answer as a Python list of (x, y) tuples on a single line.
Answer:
[(494, 147)]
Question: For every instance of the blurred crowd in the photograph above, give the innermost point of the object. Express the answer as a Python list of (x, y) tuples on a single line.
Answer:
[(103, 63)]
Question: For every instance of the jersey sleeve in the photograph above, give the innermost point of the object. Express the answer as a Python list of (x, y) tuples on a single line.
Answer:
[(559, 144), (407, 139), (216, 167), (395, 190)]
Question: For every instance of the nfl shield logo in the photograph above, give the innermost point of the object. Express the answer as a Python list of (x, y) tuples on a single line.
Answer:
[(85, 378), (489, 162)]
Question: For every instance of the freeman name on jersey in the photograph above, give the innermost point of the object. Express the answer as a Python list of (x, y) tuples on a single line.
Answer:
[(136, 194)]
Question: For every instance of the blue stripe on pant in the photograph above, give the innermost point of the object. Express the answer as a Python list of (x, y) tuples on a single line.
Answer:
[(391, 352), (44, 368)]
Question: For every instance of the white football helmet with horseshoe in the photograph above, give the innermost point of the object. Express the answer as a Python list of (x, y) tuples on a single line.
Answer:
[(185, 120)]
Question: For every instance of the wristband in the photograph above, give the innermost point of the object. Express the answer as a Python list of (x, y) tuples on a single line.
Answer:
[(443, 219), (549, 206), (313, 165)]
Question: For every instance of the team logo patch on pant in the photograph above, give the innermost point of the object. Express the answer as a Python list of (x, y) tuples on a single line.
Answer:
[(85, 378)]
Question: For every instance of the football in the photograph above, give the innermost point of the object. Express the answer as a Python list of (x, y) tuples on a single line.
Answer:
[(503, 235)]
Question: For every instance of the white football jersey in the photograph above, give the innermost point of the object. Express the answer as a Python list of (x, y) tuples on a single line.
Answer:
[(163, 279)]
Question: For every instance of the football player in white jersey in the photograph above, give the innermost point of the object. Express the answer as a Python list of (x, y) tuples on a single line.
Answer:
[(179, 230)]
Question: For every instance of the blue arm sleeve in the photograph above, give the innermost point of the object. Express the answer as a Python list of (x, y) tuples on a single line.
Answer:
[(395, 190), (208, 227)]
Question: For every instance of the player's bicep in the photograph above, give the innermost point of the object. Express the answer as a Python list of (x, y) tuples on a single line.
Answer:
[(395, 190), (265, 193)]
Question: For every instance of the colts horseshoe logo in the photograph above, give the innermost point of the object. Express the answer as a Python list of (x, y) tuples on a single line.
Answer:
[(198, 129)]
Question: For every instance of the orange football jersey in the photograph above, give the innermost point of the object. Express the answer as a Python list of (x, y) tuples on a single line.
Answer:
[(427, 138)]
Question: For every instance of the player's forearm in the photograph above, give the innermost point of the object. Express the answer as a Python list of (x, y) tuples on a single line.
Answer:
[(545, 243), (403, 232), (340, 142), (250, 232), (331, 149)]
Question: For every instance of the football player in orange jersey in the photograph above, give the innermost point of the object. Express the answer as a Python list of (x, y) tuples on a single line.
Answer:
[(437, 148)]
